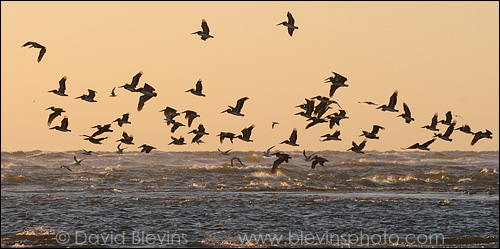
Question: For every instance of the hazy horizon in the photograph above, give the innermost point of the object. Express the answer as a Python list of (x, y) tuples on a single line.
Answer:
[(439, 56)]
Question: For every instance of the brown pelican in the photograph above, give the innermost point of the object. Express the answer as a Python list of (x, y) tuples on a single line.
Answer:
[(357, 148), (198, 89), (62, 88), (308, 158), (135, 80), (36, 45), (317, 159), (236, 158), (392, 103), (308, 108), (282, 157), (78, 162), (199, 133), (446, 135), (478, 135), (205, 33), (465, 129), (93, 139), (336, 81), (101, 129), (148, 92), (247, 132), (146, 148), (170, 113), (89, 97), (290, 24), (434, 122), (177, 141), (334, 136), (407, 114), (56, 112), (421, 146), (190, 116), (63, 127), (123, 120), (236, 110), (448, 119), (315, 121), (324, 104), (175, 126), (292, 140), (373, 133), (336, 117), (126, 139), (229, 135)]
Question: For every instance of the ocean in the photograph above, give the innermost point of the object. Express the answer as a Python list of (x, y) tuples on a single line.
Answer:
[(197, 199)]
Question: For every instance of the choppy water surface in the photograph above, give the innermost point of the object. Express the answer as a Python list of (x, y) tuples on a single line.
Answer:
[(196, 199)]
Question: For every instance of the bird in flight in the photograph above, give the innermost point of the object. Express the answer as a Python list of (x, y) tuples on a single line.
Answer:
[(433, 124), (66, 167), (479, 135), (247, 132), (225, 152), (308, 158), (282, 157), (135, 80), (205, 33), (36, 45), (148, 93), (266, 153), (62, 87), (465, 129), (63, 127), (317, 159), (407, 114), (357, 148), (89, 97), (126, 139), (392, 103), (236, 158), (447, 133), (146, 148), (78, 162), (373, 133), (197, 91), (93, 139), (236, 110), (113, 93), (123, 120), (292, 140), (421, 146), (56, 112), (290, 24)]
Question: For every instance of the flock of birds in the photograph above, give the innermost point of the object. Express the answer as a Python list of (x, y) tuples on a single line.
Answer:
[(312, 111)]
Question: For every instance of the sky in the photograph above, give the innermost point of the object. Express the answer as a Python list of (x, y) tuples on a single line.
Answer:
[(439, 56)]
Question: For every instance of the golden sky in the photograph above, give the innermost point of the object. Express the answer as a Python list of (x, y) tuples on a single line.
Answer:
[(440, 56)]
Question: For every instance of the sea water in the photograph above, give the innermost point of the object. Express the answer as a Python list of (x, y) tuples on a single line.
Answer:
[(197, 199)]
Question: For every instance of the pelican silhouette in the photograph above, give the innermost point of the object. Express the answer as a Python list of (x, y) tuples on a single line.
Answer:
[(113, 93), (479, 135), (421, 146), (357, 148), (318, 160), (392, 103), (337, 81), (236, 110), (133, 84), (205, 33), (190, 116), (123, 120), (247, 132), (62, 87), (290, 24), (448, 119), (93, 139), (229, 135), (407, 114), (177, 141), (282, 157), (292, 140), (373, 133), (146, 148), (465, 129), (126, 139), (334, 136), (198, 89), (55, 112), (89, 97), (198, 133), (101, 129), (36, 45), (148, 93), (63, 127), (433, 124), (446, 135)]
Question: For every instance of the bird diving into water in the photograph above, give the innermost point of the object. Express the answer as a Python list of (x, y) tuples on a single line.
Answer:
[(62, 87), (205, 33), (198, 89), (236, 110), (36, 45), (392, 103), (290, 24)]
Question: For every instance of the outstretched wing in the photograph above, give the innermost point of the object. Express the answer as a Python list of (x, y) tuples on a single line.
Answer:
[(239, 103), (204, 27), (199, 87), (62, 84), (407, 110), (428, 142), (393, 99), (293, 136), (143, 100), (40, 55), (291, 21), (135, 79)]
